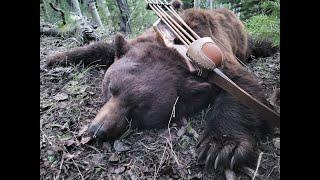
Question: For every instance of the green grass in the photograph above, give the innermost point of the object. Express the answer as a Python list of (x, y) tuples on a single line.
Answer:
[(263, 26), (266, 25)]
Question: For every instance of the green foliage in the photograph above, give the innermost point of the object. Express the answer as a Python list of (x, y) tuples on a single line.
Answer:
[(140, 18), (53, 16), (261, 17), (271, 8), (266, 24)]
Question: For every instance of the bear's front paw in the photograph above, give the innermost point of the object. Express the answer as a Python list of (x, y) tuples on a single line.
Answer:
[(55, 58), (224, 152)]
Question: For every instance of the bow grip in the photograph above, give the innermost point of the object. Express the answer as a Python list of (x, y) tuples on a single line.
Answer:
[(205, 53)]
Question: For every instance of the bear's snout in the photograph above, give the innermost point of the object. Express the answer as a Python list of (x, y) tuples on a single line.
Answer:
[(110, 122)]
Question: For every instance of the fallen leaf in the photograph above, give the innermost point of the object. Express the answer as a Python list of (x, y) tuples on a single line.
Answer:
[(276, 143), (85, 140), (181, 131), (120, 147), (83, 130), (119, 170), (107, 146), (63, 105), (71, 156), (133, 176), (115, 177), (45, 105), (113, 158), (69, 142), (96, 159)]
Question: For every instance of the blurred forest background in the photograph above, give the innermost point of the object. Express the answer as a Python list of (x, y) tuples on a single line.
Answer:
[(91, 20)]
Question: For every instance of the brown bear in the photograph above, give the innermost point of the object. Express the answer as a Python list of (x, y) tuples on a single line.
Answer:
[(144, 79)]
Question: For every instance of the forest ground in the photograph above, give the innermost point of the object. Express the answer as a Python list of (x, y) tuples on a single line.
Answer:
[(70, 98)]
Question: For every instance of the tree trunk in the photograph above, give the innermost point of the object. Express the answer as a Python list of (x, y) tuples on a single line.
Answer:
[(196, 3), (76, 7), (124, 10), (102, 5), (209, 4), (94, 12), (82, 28), (43, 5)]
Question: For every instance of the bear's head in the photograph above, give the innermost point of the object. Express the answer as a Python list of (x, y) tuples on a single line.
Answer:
[(142, 86)]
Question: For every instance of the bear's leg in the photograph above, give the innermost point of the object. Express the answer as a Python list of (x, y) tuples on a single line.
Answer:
[(229, 139), (97, 53)]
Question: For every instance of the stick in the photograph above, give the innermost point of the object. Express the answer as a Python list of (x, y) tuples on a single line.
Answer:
[(62, 159), (160, 164), (170, 139), (46, 137), (258, 165)]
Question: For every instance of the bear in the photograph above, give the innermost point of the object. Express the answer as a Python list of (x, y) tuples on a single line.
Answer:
[(144, 79)]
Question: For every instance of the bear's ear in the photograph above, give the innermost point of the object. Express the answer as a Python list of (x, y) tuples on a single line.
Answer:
[(195, 87), (121, 46)]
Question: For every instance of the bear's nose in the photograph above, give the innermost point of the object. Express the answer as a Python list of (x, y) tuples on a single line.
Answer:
[(96, 130)]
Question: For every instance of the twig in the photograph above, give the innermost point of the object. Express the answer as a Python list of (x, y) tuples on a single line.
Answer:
[(248, 171), (46, 137), (170, 139), (60, 11), (74, 163), (77, 168), (148, 148), (258, 165), (62, 160), (160, 164), (92, 147)]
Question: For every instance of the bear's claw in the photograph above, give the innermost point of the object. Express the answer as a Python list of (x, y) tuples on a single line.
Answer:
[(225, 152)]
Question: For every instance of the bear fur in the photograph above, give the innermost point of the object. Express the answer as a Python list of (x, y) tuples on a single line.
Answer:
[(145, 78)]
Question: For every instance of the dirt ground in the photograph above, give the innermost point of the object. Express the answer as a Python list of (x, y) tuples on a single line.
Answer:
[(70, 98)]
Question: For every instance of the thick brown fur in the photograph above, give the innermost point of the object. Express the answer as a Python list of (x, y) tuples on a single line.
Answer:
[(146, 77)]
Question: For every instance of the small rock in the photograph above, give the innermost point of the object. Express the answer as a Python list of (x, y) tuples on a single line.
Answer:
[(113, 158), (120, 147), (276, 143), (119, 170), (60, 96)]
